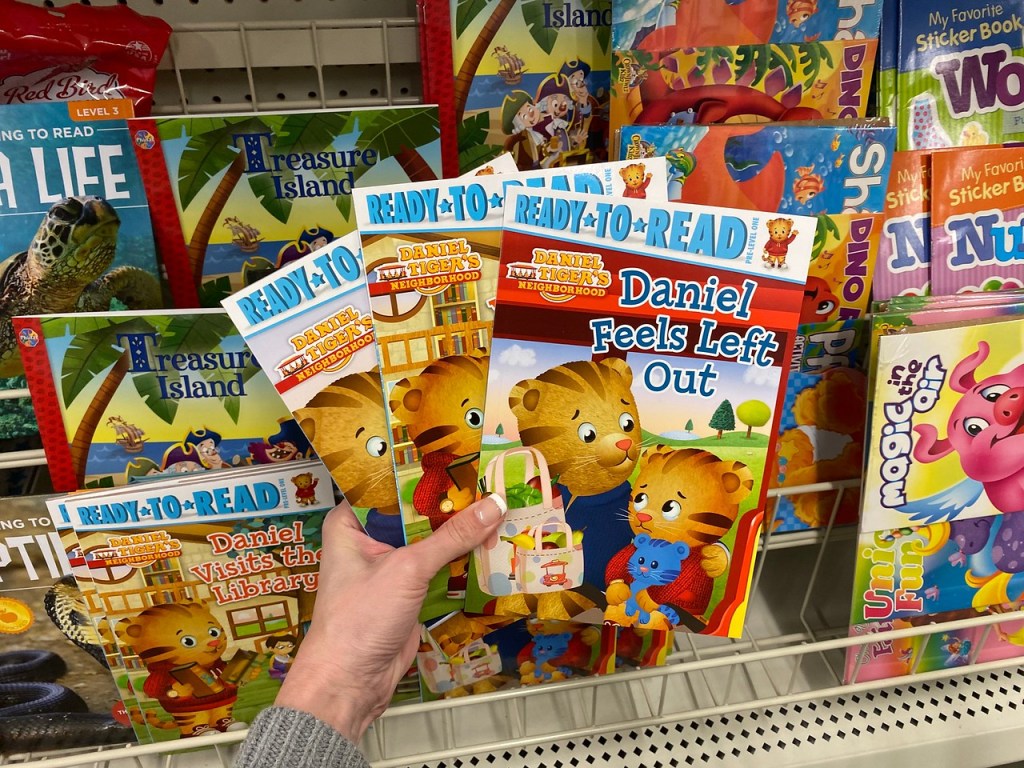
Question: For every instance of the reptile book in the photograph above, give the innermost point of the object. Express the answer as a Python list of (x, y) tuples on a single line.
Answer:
[(129, 394), (208, 581), (642, 385), (234, 197), (431, 254), (62, 693), (76, 233)]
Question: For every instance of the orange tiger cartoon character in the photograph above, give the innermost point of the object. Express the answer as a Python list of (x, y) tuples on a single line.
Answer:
[(780, 235), (636, 180)]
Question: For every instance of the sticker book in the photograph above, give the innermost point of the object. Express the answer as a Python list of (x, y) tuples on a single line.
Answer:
[(519, 77), (128, 394), (236, 196), (47, 647), (310, 326), (208, 581), (639, 383), (76, 235), (956, 70), (431, 254), (977, 204), (941, 487), (905, 251)]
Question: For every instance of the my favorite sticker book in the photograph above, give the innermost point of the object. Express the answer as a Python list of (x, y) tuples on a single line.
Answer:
[(431, 254), (129, 394), (635, 381), (236, 196), (208, 582), (311, 328)]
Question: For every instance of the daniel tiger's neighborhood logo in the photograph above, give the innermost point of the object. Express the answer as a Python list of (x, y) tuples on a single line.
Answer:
[(429, 268), (560, 276)]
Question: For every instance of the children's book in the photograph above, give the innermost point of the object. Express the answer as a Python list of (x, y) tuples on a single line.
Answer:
[(520, 77), (431, 253), (208, 581), (234, 197), (59, 691), (716, 84), (936, 650), (938, 529), (888, 55), (76, 233), (956, 69), (821, 431), (977, 203), (657, 26), (905, 251), (465, 654), (836, 172), (310, 326), (633, 395), (128, 394)]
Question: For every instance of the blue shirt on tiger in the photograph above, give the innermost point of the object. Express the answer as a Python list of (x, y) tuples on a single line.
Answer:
[(603, 518), (385, 528)]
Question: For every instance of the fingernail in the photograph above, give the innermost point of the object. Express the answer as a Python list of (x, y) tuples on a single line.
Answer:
[(491, 513)]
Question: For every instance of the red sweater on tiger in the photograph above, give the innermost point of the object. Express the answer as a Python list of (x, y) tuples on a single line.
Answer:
[(433, 487), (691, 590)]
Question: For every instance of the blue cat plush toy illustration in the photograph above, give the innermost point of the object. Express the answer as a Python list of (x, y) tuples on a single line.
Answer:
[(654, 563)]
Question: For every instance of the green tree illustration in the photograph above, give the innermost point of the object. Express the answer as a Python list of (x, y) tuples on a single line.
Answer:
[(723, 419), (689, 425), (499, 430), (95, 352), (753, 413)]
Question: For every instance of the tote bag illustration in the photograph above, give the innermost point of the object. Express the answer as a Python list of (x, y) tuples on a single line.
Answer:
[(496, 559), (476, 662), (436, 670), (550, 568)]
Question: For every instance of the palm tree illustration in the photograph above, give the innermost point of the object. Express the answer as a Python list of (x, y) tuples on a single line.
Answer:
[(214, 153), (95, 349), (533, 14)]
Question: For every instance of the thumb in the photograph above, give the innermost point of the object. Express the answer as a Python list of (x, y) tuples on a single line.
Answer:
[(459, 535)]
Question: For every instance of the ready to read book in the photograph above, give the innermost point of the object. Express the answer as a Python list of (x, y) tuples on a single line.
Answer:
[(431, 254), (942, 484), (311, 328), (236, 196), (519, 77), (977, 204), (956, 69), (48, 648), (640, 382), (122, 395), (76, 233), (208, 581)]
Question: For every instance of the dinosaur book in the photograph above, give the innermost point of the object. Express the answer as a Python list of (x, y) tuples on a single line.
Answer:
[(76, 234), (234, 197), (431, 254), (124, 395), (634, 390), (942, 487), (54, 680), (521, 77), (208, 583)]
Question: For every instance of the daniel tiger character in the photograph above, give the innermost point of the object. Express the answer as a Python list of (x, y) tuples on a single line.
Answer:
[(780, 235), (686, 495), (636, 180), (583, 418), (305, 489), (442, 407), (346, 423), (171, 636)]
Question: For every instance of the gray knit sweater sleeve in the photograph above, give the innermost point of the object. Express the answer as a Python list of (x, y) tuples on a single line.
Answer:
[(280, 737)]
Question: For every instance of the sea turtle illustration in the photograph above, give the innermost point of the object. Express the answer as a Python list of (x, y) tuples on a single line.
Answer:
[(65, 270)]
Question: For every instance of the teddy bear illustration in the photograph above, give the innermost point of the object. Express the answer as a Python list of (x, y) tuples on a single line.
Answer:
[(305, 489), (780, 235), (636, 180)]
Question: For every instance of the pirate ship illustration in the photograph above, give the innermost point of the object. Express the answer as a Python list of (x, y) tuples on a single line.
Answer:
[(245, 236), (510, 66), (128, 436)]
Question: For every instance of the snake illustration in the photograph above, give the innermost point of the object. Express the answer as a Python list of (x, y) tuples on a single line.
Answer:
[(38, 713), (64, 270)]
